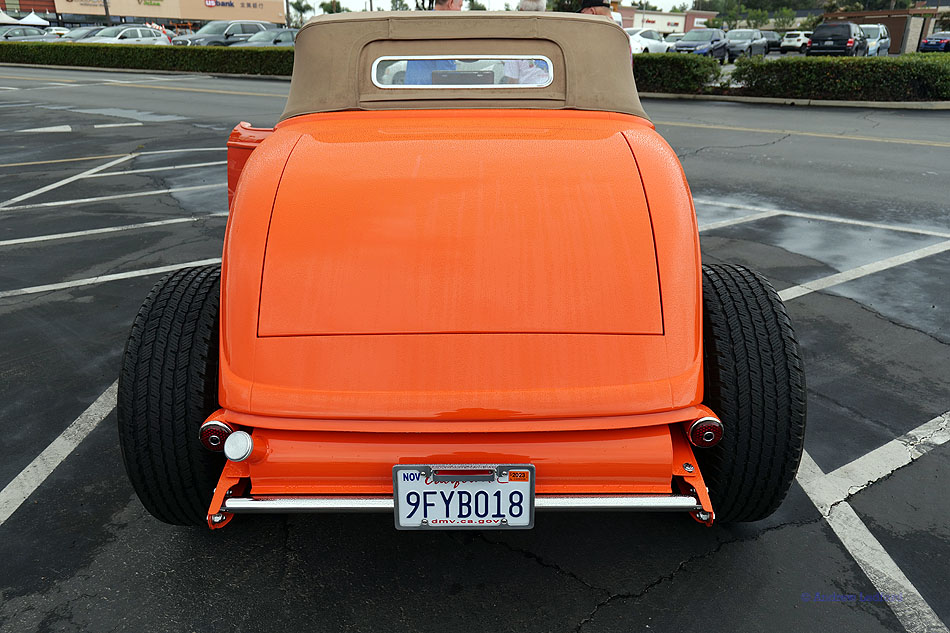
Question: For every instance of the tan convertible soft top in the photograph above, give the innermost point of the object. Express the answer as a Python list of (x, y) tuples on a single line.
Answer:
[(334, 55)]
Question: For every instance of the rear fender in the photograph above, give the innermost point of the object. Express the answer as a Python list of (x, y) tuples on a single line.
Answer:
[(243, 140)]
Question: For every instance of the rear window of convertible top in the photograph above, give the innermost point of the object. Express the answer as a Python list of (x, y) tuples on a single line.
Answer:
[(463, 71)]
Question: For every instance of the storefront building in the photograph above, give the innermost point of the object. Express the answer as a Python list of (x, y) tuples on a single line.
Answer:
[(21, 8), (161, 11), (662, 21)]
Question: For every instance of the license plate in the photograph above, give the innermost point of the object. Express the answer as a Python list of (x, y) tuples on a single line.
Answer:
[(463, 496), (829, 42)]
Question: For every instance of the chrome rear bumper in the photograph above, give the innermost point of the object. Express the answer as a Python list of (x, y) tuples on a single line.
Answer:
[(630, 503)]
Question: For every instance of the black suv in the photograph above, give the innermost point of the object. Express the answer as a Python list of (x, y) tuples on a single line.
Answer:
[(838, 38), (223, 33)]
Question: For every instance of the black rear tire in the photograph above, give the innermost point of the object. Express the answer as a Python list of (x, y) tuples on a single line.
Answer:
[(755, 383), (167, 388)]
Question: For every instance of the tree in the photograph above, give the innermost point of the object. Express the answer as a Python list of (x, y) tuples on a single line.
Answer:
[(783, 19), (333, 6), (299, 10), (680, 8), (757, 18), (646, 5), (398, 5), (714, 23), (812, 21), (475, 5), (731, 17)]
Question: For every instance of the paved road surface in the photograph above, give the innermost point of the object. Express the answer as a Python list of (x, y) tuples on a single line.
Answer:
[(845, 210)]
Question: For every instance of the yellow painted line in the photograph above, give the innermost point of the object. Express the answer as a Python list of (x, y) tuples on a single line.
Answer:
[(60, 160), (842, 137), (209, 90), (48, 79)]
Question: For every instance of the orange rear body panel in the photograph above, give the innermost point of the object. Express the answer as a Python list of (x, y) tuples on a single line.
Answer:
[(468, 286), (616, 461)]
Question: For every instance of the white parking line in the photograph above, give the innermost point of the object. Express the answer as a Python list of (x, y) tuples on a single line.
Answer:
[(64, 181), (851, 478), (24, 484), (120, 196), (823, 218), (107, 229), (89, 172), (89, 281), (911, 609), (862, 271), (739, 220), (104, 125), (43, 130), (106, 174)]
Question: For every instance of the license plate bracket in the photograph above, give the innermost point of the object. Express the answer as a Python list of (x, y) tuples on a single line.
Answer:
[(463, 496)]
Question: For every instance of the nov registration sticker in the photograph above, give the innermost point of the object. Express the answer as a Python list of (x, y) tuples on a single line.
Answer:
[(464, 496)]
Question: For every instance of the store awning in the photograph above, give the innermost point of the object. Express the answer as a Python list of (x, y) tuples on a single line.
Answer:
[(34, 20)]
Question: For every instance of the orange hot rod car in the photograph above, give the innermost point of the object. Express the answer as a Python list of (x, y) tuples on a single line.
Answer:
[(461, 282)]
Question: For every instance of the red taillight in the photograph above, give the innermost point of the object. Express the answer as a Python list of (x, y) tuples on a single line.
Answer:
[(705, 432), (944, 41), (851, 41), (213, 434), (809, 43)]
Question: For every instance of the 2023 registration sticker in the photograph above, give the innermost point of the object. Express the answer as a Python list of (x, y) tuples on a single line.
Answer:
[(464, 496)]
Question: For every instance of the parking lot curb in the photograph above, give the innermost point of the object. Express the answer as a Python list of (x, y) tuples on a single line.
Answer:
[(888, 105), (139, 71)]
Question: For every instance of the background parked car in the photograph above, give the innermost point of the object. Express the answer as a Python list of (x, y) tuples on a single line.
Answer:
[(774, 40), (673, 38), (58, 31), (838, 38), (129, 34), (936, 42), (223, 33), (271, 37), (647, 41), (81, 33), (14, 33), (879, 40), (795, 41), (707, 42), (745, 43)]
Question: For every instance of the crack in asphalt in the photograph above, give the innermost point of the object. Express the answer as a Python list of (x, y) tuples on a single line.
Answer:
[(905, 326), (705, 147), (913, 447), (867, 117), (683, 564), (856, 413), (539, 560), (610, 596)]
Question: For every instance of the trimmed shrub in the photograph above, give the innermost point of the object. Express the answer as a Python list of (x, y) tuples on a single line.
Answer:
[(674, 72), (913, 77), (199, 59)]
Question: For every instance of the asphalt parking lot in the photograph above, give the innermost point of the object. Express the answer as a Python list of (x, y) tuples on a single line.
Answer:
[(107, 180)]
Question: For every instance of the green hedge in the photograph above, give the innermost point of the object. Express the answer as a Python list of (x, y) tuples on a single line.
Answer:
[(913, 77), (200, 59), (674, 72)]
